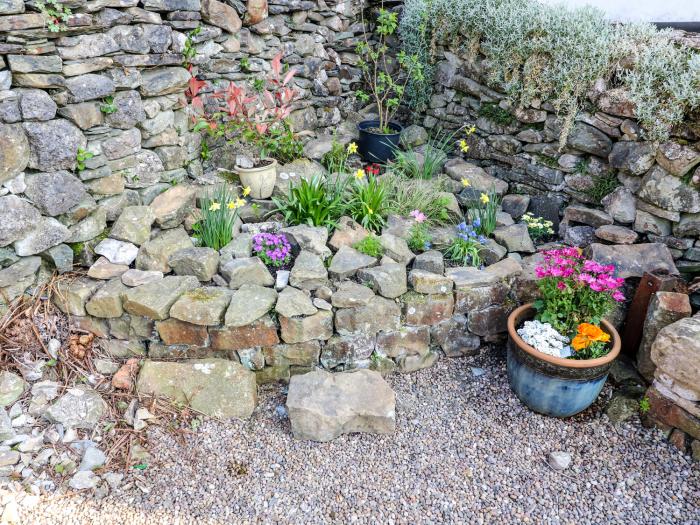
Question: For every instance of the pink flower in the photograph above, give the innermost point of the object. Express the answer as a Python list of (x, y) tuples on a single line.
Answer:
[(418, 215), (596, 286), (586, 278), (541, 272), (618, 296), (561, 285)]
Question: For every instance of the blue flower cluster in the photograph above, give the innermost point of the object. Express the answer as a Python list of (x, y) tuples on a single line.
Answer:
[(467, 232)]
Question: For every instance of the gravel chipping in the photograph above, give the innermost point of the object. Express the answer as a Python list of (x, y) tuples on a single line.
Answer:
[(465, 451)]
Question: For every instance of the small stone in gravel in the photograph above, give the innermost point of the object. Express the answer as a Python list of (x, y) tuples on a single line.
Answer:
[(124, 378), (11, 388), (559, 460), (79, 407), (84, 480), (9, 457), (92, 458)]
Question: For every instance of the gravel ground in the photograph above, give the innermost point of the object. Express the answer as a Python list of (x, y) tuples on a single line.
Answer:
[(465, 451)]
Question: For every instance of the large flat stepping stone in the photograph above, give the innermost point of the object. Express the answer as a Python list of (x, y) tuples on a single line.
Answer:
[(323, 405), (216, 387)]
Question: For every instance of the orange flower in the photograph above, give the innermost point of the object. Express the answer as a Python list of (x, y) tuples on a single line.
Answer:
[(580, 342), (588, 334)]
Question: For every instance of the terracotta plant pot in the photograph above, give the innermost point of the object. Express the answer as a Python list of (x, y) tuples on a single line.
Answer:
[(260, 180), (555, 386)]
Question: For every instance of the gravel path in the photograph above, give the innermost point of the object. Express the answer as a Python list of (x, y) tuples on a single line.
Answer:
[(465, 451)]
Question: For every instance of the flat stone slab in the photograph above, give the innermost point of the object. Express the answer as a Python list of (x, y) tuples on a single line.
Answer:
[(155, 299), (632, 260), (216, 387), (249, 303), (323, 405), (202, 306), (348, 261)]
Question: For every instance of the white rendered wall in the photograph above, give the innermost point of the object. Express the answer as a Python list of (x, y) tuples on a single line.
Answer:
[(641, 10)]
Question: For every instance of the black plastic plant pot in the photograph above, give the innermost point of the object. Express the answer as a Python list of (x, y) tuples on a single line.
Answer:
[(378, 147)]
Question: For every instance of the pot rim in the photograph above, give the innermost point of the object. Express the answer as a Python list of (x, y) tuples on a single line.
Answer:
[(560, 361), (395, 125), (273, 164)]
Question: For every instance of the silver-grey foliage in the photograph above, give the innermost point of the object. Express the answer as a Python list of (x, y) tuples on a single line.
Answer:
[(535, 51)]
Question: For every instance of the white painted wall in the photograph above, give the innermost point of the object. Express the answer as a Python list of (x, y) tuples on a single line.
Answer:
[(641, 10)]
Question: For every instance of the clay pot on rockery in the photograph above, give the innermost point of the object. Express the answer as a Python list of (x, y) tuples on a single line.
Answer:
[(555, 386), (260, 177), (560, 348)]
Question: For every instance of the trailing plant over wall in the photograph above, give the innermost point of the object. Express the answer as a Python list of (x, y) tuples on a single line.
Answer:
[(541, 52)]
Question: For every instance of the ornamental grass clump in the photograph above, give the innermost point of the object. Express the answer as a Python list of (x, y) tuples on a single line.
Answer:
[(576, 294)]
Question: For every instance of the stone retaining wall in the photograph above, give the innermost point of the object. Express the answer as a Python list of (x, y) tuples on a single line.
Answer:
[(353, 312)]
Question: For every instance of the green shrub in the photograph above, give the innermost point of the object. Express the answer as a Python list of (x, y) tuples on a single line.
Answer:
[(55, 14), (218, 216), (279, 142), (335, 161), (367, 204), (310, 202), (370, 245), (538, 228), (81, 158), (108, 106), (549, 52)]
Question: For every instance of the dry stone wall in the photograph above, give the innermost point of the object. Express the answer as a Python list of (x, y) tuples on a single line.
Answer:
[(109, 85), (652, 200), (100, 173)]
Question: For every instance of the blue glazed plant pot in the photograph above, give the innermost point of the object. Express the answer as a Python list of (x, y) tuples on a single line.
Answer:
[(378, 147), (555, 386)]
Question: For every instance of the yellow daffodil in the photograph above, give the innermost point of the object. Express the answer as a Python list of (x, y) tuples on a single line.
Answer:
[(246, 191), (465, 182), (463, 146), (484, 198), (236, 204), (214, 206), (352, 148), (360, 174)]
